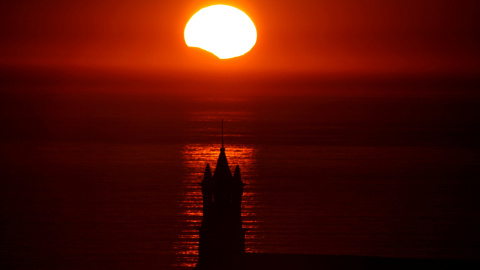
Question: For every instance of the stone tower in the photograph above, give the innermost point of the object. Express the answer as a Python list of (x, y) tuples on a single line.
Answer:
[(222, 238)]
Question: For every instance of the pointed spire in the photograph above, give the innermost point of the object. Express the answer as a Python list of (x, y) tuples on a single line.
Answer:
[(237, 187), (222, 134), (207, 179), (207, 175), (237, 172), (237, 177), (207, 169)]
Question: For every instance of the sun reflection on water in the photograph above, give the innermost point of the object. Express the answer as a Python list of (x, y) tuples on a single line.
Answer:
[(195, 158)]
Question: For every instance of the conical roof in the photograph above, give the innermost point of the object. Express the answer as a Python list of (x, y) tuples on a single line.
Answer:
[(222, 171)]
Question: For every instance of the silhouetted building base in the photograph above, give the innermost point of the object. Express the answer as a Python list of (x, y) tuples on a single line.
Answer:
[(262, 261)]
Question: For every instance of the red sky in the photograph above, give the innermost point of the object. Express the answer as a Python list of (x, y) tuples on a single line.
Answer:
[(306, 37)]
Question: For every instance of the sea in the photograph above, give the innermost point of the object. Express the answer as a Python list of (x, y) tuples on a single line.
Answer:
[(95, 178)]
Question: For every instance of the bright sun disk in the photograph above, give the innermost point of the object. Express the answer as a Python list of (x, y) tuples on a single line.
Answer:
[(225, 31)]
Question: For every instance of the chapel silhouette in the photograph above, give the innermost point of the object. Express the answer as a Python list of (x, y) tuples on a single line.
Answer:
[(222, 237)]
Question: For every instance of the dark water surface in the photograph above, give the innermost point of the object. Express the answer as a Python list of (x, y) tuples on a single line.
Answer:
[(103, 181)]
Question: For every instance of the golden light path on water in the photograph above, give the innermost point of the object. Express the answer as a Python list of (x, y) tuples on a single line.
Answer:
[(195, 158)]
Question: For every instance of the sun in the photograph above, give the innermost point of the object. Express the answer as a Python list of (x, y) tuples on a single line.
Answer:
[(223, 30)]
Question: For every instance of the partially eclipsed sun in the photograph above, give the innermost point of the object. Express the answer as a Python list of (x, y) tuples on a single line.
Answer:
[(225, 31)]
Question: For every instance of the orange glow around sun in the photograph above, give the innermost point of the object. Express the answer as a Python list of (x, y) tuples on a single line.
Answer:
[(225, 31)]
